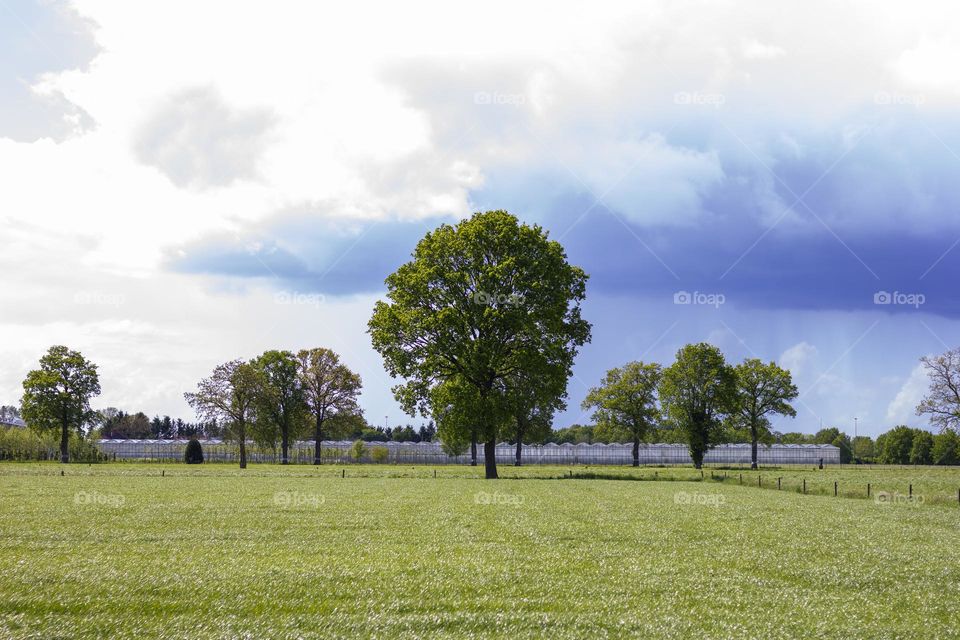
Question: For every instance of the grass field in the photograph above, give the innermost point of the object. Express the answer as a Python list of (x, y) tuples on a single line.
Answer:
[(211, 552)]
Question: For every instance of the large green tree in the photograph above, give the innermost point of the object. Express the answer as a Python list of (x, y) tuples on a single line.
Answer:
[(481, 301), (762, 390), (626, 400), (330, 388), (57, 395), (229, 396), (696, 392), (280, 403)]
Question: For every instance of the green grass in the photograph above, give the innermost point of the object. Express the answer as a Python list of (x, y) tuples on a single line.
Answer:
[(208, 552)]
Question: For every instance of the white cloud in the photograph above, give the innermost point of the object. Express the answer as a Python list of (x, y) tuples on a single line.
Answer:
[(902, 409), (320, 104), (931, 64), (756, 50), (198, 141), (798, 359)]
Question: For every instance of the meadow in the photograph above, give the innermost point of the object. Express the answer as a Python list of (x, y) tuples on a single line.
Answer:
[(171, 551)]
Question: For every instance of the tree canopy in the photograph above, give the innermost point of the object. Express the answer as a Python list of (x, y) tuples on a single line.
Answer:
[(280, 402), (626, 401), (697, 391), (942, 402), (330, 389), (762, 389), (480, 302), (229, 396), (57, 395)]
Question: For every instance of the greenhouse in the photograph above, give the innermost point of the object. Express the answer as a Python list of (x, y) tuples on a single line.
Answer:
[(432, 453)]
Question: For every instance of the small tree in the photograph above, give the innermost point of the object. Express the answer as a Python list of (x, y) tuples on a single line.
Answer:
[(627, 400), (228, 396), (57, 395), (329, 388), (762, 390), (696, 392), (280, 403), (533, 398), (842, 442), (942, 402), (457, 407), (193, 454), (358, 450), (379, 454)]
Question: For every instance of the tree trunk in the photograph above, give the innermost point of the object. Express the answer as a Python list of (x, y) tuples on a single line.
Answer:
[(65, 444), (636, 451), (243, 448), (317, 439), (473, 449), (520, 430), (490, 459), (753, 448), (697, 455), (285, 447)]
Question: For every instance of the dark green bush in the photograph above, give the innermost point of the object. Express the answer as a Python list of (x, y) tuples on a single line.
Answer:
[(193, 454)]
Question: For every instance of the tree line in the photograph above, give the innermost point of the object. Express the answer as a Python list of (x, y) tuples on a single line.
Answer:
[(481, 328)]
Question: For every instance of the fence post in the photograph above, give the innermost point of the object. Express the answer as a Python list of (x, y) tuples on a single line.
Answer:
[(741, 478), (834, 489), (804, 485), (434, 473), (911, 489), (343, 473), (759, 481)]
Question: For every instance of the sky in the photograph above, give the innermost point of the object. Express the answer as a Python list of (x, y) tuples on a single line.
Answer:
[(181, 185)]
